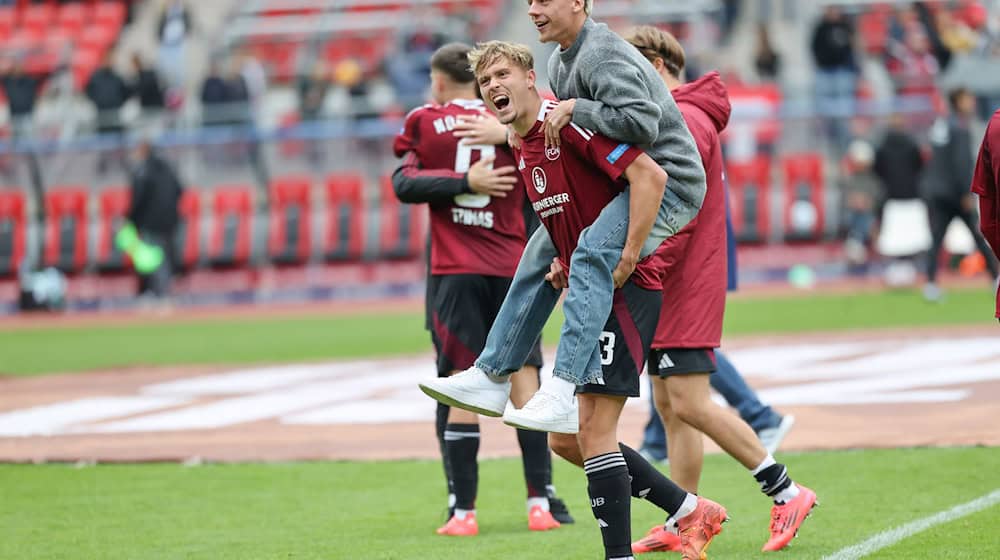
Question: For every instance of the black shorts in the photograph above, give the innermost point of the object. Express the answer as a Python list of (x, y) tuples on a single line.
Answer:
[(625, 341), (681, 361), (463, 309)]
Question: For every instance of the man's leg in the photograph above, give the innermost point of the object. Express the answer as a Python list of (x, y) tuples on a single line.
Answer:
[(940, 215), (690, 399), (530, 299), (654, 436), (535, 457), (686, 441)]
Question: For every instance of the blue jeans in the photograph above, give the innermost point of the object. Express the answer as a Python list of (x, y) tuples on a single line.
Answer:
[(728, 382), (530, 299)]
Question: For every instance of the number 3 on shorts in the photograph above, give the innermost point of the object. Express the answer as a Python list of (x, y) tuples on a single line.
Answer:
[(607, 342)]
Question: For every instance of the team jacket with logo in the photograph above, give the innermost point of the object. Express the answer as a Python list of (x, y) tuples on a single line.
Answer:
[(568, 186), (470, 233)]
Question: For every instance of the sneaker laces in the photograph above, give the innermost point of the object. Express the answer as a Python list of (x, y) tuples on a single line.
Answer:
[(777, 514)]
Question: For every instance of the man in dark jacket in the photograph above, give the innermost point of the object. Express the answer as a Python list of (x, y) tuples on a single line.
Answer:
[(108, 91), (147, 86), (898, 162), (836, 73), (946, 184), (156, 193), (22, 91)]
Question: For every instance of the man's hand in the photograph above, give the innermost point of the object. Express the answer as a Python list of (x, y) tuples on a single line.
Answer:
[(483, 179), (482, 129), (556, 120), (624, 269), (969, 203), (557, 275)]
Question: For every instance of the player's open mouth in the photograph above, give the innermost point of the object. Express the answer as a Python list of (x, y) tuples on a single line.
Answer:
[(540, 24), (500, 101)]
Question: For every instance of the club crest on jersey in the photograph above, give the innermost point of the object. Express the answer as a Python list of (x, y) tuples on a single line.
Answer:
[(538, 179), (552, 153)]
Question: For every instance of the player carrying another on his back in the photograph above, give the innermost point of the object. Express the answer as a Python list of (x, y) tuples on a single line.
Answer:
[(568, 189), (608, 87), (479, 224)]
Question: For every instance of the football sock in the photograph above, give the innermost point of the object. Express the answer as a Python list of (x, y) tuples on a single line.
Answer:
[(536, 460), (463, 447), (774, 480), (440, 421), (651, 484), (608, 486)]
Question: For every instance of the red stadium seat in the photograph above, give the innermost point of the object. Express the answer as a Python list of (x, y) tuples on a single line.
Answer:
[(66, 228), (804, 208), (37, 18), (110, 13), (13, 220), (749, 189), (188, 238), (112, 210), (232, 216), (8, 22), (72, 17), (289, 234), (85, 61), (345, 218), (402, 227), (97, 37)]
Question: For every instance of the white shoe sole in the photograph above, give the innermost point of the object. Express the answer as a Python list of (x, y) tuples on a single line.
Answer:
[(460, 400), (515, 419), (774, 441)]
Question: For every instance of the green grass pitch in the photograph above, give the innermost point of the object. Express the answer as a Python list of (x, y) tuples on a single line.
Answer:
[(388, 510)]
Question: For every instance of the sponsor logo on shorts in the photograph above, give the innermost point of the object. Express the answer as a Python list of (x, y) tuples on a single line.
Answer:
[(666, 362)]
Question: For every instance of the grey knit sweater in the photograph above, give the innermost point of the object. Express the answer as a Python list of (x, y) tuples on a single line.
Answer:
[(620, 95)]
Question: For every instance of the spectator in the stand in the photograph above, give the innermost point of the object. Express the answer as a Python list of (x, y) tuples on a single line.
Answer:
[(862, 190), (147, 86), (946, 184), (836, 73), (409, 68), (932, 27), (312, 90), (255, 79), (240, 111), (22, 92), (766, 59), (109, 92), (214, 96), (913, 69), (172, 32), (156, 193)]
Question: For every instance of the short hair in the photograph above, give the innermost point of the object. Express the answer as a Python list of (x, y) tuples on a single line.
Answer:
[(452, 60), (956, 94), (655, 43), (489, 52)]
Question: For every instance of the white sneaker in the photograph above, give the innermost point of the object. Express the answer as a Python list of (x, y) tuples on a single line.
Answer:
[(545, 412), (470, 390), (772, 437)]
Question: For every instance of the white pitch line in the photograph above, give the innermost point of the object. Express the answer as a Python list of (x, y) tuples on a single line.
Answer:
[(893, 536)]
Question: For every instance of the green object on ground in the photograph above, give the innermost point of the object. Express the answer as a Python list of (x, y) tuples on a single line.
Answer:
[(146, 258)]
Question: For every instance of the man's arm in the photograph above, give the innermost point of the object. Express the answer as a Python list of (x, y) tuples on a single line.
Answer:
[(415, 185), (984, 183), (647, 181), (621, 107)]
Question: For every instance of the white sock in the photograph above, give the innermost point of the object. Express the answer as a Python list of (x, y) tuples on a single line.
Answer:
[(538, 501), (451, 500), (787, 495), (688, 506), (559, 387), (461, 513), (767, 462)]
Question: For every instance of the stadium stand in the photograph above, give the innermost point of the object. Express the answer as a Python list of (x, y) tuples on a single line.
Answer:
[(66, 228), (12, 231)]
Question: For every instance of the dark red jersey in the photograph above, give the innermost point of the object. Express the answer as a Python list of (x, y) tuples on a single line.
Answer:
[(694, 260), (986, 183), (569, 185), (470, 233)]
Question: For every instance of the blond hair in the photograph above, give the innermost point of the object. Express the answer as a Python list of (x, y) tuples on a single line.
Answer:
[(655, 43), (588, 5), (485, 54)]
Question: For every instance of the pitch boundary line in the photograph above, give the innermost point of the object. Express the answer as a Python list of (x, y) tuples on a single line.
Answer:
[(893, 536)]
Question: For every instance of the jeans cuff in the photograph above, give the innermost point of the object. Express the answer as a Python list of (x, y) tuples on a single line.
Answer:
[(493, 372), (595, 376)]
